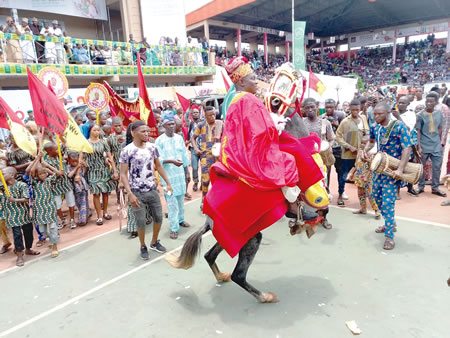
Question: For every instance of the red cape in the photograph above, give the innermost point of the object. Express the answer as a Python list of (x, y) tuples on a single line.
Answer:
[(239, 212), (250, 146)]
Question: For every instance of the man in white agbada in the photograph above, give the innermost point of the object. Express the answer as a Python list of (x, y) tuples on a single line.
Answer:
[(28, 53)]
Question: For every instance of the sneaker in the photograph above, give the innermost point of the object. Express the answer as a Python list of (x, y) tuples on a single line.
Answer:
[(344, 196), (73, 225), (157, 247), (144, 253)]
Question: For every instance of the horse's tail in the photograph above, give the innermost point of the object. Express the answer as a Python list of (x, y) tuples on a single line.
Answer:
[(190, 250)]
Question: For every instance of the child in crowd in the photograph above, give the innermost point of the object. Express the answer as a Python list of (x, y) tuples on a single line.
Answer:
[(364, 180), (17, 214), (115, 141), (77, 174), (44, 208), (79, 119), (106, 130), (64, 186)]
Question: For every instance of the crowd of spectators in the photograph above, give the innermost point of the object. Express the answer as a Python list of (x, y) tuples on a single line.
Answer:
[(49, 52), (417, 62)]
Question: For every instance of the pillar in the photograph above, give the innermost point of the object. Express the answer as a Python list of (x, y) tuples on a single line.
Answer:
[(266, 51), (239, 37), (321, 50), (448, 38), (348, 54), (394, 48), (288, 52), (206, 29), (230, 46)]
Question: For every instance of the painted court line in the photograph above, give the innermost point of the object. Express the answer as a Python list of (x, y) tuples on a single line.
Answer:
[(415, 220), (72, 246), (89, 292)]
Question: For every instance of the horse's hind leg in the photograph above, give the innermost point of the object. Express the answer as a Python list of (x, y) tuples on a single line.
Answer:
[(211, 257), (239, 275)]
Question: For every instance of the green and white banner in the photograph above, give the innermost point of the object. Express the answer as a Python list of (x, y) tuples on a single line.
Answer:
[(299, 45), (74, 41), (21, 69)]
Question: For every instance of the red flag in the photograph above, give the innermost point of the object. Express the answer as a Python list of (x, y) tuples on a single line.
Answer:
[(315, 83), (145, 109), (22, 137), (49, 112), (225, 81), (185, 104)]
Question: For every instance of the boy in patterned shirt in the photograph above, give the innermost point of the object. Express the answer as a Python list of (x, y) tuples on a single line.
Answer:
[(17, 214), (64, 186), (44, 208)]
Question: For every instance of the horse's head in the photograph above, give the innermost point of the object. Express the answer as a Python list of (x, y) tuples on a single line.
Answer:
[(282, 98)]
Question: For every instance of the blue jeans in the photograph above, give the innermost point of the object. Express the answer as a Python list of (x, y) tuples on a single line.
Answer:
[(194, 162), (436, 164), (175, 209), (50, 231), (346, 166)]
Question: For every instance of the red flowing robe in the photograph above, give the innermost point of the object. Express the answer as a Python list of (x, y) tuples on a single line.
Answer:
[(246, 196)]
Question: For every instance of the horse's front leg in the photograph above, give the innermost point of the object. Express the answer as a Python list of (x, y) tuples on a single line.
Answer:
[(239, 275)]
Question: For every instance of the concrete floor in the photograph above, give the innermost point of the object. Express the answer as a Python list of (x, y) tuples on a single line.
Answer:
[(101, 288)]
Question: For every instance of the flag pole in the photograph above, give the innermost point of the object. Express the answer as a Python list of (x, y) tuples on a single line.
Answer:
[(59, 153), (41, 140), (98, 118), (4, 184), (292, 37)]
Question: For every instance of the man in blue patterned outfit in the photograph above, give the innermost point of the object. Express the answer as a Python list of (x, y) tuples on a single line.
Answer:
[(392, 138)]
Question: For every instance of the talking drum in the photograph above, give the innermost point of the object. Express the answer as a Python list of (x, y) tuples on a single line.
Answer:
[(383, 163), (326, 153)]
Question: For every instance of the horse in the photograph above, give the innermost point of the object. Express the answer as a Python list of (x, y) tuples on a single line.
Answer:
[(191, 248)]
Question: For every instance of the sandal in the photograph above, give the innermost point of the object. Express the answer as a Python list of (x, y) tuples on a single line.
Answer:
[(99, 221), (187, 197), (327, 225), (4, 248), (55, 252), (195, 187), (389, 244), (377, 214), (381, 229), (20, 261), (445, 203), (107, 216), (31, 252), (134, 234), (40, 243), (340, 202), (173, 235), (184, 224), (360, 212)]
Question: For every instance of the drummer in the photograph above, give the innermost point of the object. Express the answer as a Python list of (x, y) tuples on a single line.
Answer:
[(396, 143)]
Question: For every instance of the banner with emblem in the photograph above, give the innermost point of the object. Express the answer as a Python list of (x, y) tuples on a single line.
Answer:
[(299, 45)]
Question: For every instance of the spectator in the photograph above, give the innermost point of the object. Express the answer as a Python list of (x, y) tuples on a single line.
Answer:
[(80, 54), (39, 45), (174, 158), (12, 50), (205, 51), (430, 124), (349, 135), (28, 53)]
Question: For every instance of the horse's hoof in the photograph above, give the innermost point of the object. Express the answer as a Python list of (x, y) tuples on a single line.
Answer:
[(223, 277), (269, 297)]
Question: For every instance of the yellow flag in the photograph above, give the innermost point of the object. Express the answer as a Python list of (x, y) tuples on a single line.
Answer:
[(22, 137), (320, 88), (75, 139), (143, 110)]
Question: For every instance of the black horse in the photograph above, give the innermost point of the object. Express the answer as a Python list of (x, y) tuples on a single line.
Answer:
[(191, 247)]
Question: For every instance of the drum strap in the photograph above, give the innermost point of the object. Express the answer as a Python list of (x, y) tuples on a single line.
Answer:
[(387, 134), (323, 131)]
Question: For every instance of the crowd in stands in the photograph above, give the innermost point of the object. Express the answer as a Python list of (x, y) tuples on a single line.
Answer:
[(49, 52), (416, 62)]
